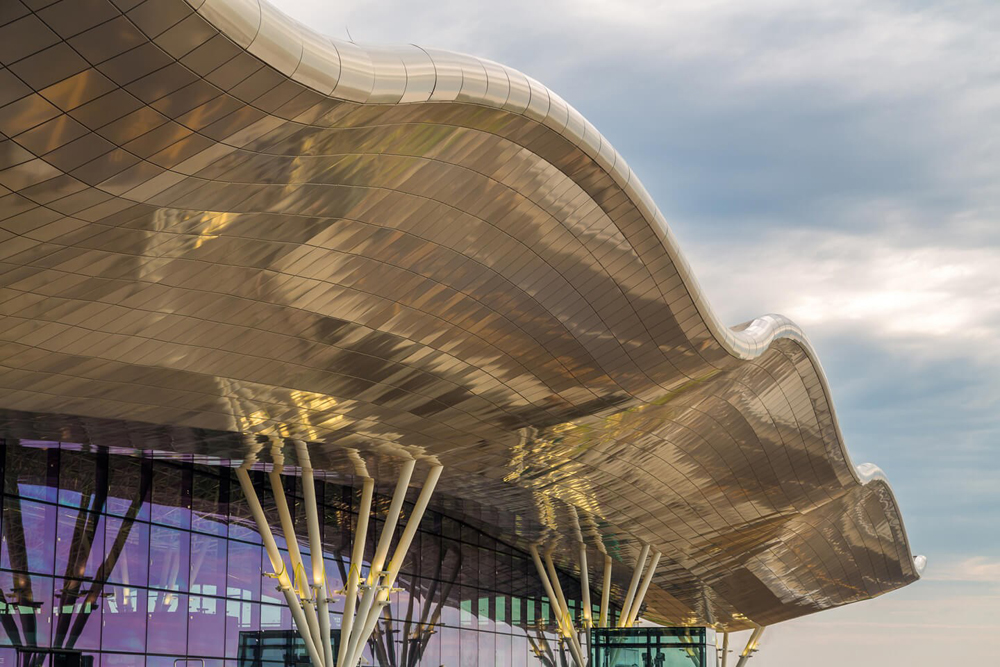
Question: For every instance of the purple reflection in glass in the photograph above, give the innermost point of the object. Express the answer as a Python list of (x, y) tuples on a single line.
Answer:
[(118, 660), (29, 532), (206, 626), (76, 616), (240, 617), (124, 618), (29, 606), (79, 543), (243, 580), (166, 629), (208, 565), (127, 547), (169, 553)]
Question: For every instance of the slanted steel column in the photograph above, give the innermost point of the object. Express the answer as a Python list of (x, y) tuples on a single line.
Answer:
[(354, 573), (367, 624), (640, 563), (299, 581), (320, 592), (562, 616), (284, 583), (606, 591), (751, 646), (641, 595), (586, 617), (725, 648), (370, 587)]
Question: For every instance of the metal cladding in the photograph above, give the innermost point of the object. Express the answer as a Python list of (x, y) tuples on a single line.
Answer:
[(217, 222)]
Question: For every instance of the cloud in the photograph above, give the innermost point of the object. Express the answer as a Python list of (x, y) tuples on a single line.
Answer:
[(928, 300), (976, 569)]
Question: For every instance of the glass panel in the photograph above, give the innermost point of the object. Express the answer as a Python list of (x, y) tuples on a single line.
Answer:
[(166, 629), (79, 543), (124, 618), (208, 503), (130, 480), (503, 650), (83, 479), (206, 625), (487, 646), (450, 646), (31, 470), (470, 648), (243, 579), (208, 565), (76, 615), (118, 660), (29, 533), (169, 553), (126, 544), (171, 495), (27, 601), (241, 618), (519, 651)]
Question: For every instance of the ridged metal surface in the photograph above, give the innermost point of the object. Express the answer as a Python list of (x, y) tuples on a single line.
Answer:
[(216, 221)]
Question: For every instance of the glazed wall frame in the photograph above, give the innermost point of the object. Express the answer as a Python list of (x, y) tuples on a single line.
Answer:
[(191, 570)]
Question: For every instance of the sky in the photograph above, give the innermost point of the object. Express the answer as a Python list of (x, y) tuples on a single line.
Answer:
[(837, 162)]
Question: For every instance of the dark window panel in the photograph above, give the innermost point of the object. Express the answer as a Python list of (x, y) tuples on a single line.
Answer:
[(172, 495), (32, 470), (130, 481), (209, 503), (83, 479)]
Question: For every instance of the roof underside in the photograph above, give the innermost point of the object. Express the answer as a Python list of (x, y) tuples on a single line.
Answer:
[(217, 222)]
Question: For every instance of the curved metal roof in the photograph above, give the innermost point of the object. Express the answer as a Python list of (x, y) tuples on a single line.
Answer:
[(216, 221)]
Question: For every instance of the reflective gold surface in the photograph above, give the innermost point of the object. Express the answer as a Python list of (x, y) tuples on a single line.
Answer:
[(216, 222)]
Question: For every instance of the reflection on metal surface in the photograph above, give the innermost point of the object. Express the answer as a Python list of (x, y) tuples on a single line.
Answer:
[(217, 226)]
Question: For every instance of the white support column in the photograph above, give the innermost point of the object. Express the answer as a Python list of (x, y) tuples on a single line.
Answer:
[(292, 542), (395, 564), (751, 645), (587, 616), (354, 573), (606, 591), (370, 587), (284, 584), (640, 563), (725, 648), (320, 592), (641, 595), (560, 614)]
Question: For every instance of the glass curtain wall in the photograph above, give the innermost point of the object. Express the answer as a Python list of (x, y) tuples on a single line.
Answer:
[(115, 560)]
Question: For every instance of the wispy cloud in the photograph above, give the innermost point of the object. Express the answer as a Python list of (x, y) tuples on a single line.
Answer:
[(932, 299), (976, 569)]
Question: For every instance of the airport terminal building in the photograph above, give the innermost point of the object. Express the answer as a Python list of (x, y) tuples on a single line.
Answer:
[(319, 354)]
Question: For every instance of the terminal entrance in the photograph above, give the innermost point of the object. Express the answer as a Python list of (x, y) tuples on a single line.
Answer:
[(652, 647)]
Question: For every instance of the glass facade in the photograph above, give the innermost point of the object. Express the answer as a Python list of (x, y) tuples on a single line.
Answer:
[(652, 647), (109, 559)]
